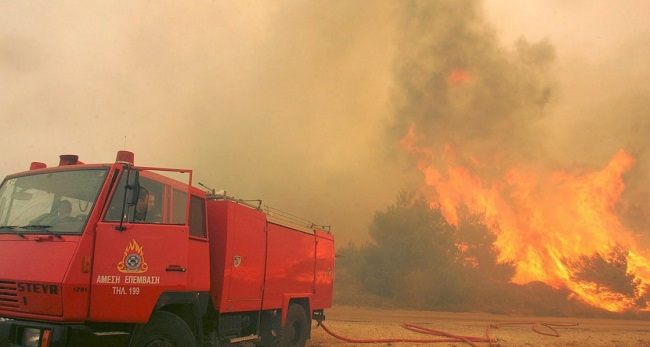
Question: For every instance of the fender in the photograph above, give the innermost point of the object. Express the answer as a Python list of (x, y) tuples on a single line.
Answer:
[(198, 299), (190, 306), (286, 300)]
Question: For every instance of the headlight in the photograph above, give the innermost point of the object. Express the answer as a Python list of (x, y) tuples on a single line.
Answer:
[(31, 337)]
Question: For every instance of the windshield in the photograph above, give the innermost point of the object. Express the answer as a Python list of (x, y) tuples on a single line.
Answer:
[(53, 202)]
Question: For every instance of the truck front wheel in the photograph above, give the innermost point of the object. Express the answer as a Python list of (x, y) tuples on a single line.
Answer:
[(164, 329), (295, 331)]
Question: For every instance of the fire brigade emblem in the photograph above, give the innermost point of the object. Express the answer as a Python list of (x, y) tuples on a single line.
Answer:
[(133, 259)]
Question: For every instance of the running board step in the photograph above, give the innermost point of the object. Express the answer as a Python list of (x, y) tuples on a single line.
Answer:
[(110, 333), (243, 338)]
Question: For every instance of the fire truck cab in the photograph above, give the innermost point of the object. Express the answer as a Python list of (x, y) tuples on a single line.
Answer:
[(121, 255)]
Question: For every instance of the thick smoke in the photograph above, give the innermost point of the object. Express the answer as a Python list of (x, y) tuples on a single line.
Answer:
[(289, 101), (467, 95), (604, 108), (280, 101), (459, 87)]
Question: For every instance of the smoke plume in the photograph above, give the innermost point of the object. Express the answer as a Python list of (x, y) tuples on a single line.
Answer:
[(304, 104), (459, 87)]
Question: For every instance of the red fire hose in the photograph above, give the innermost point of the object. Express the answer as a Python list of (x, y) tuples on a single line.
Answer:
[(447, 337)]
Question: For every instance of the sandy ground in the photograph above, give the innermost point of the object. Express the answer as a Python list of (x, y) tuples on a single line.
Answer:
[(367, 323)]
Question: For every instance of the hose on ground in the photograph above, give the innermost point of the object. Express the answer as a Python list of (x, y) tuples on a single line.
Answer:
[(447, 337)]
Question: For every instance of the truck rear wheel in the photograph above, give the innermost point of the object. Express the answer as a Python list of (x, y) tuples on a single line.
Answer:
[(164, 329), (295, 331)]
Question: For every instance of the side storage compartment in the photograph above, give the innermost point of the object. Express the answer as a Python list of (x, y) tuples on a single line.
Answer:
[(237, 256), (324, 278)]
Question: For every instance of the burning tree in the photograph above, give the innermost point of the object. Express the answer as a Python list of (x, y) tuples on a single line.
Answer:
[(610, 275), (479, 254)]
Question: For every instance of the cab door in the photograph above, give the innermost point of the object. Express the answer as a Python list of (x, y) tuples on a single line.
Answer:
[(138, 255)]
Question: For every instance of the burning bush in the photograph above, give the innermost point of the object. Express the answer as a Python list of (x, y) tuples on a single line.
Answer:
[(610, 276)]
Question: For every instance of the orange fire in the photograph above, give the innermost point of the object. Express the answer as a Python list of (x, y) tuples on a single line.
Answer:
[(549, 222), (459, 76)]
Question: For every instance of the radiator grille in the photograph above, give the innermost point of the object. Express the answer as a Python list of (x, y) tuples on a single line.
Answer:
[(8, 295)]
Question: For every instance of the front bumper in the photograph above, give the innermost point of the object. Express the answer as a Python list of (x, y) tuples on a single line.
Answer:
[(13, 333)]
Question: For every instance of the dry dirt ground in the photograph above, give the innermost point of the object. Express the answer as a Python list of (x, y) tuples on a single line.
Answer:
[(368, 323)]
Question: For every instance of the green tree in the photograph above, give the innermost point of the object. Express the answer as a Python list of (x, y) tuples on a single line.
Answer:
[(415, 258), (411, 250)]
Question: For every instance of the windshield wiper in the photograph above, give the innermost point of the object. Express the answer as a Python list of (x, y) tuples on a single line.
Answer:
[(42, 227), (11, 227)]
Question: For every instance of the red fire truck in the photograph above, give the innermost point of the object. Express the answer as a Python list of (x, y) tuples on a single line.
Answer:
[(121, 255)]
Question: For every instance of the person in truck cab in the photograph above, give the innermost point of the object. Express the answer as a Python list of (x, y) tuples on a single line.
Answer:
[(64, 211), (145, 209)]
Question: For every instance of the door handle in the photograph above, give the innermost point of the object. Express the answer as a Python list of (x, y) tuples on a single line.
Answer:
[(175, 268)]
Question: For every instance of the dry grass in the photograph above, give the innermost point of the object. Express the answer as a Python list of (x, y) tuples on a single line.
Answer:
[(369, 323)]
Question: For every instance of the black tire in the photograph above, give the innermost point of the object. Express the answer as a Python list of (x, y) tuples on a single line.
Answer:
[(164, 329), (297, 327)]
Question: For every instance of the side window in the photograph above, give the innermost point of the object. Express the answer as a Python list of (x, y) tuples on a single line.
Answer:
[(148, 209), (197, 216), (179, 204), (152, 202)]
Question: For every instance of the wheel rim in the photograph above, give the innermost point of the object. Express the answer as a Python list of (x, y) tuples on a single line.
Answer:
[(297, 333)]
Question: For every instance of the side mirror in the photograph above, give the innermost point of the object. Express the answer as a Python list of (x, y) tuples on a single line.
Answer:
[(133, 187), (131, 193)]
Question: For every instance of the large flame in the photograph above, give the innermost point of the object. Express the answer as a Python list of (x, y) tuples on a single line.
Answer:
[(550, 223)]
